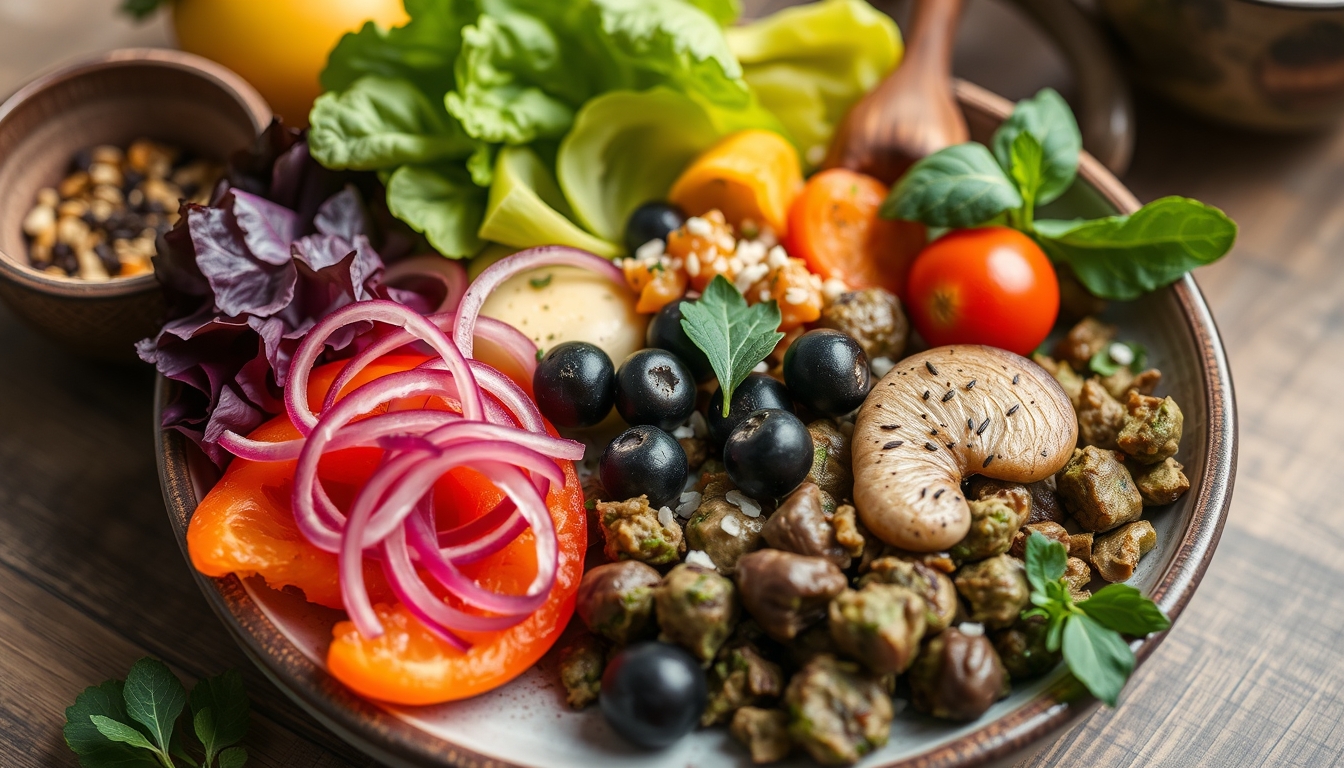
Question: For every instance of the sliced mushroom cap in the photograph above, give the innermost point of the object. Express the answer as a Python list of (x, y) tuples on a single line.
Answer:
[(942, 416)]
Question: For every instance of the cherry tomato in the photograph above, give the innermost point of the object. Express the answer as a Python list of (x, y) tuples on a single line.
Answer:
[(989, 285)]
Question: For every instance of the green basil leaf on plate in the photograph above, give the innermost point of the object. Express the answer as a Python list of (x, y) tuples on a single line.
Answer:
[(1026, 169), (1046, 561), (1124, 609), (1047, 117), (960, 186), (1097, 656)]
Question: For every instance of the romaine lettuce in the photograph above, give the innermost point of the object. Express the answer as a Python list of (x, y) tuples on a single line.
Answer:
[(527, 209)]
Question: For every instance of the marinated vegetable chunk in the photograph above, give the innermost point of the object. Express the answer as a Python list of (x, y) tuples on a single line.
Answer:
[(1084, 340), (1117, 554), (786, 593), (1162, 483), (831, 462), (874, 318), (696, 609), (616, 600), (1152, 431), (1100, 416), (1098, 491), (994, 521), (995, 590), (836, 712), (633, 530), (802, 526), (765, 732), (741, 676), (938, 591), (880, 625), (1022, 648), (722, 529), (1123, 380), (1078, 575), (1053, 531), (581, 664), (1080, 545), (957, 676)]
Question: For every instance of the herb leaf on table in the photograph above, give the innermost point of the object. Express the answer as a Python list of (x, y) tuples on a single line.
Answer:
[(734, 336), (220, 712), (959, 186)]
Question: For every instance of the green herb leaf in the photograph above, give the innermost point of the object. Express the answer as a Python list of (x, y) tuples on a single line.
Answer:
[(1046, 561), (960, 186), (381, 122), (233, 757), (1048, 119), (1025, 168), (203, 722), (1122, 608), (84, 739), (734, 336), (121, 733), (1097, 657), (1123, 257), (154, 698), (223, 701), (1102, 363), (540, 282)]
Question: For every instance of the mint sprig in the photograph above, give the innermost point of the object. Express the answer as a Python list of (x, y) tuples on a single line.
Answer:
[(135, 724), (1035, 160), (1089, 633), (734, 336)]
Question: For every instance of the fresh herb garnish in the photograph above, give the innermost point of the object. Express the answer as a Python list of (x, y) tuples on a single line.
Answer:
[(1089, 632), (734, 336), (540, 282), (1034, 160), (134, 724), (1104, 362)]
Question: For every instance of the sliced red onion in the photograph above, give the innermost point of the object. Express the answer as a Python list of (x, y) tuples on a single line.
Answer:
[(447, 272)]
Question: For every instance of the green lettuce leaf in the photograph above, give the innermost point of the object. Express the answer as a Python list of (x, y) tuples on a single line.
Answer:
[(526, 207), (809, 64), (625, 150), (381, 122), (422, 51), (442, 202), (725, 12)]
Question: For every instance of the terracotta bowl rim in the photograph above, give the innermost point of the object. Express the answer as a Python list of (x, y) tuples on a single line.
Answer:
[(215, 74), (387, 738)]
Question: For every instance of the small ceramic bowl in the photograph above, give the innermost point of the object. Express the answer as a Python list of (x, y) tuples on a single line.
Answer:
[(166, 95)]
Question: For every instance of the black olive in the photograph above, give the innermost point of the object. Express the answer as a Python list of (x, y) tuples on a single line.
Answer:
[(827, 371), (654, 387), (575, 384), (757, 391), (652, 221), (644, 460), (665, 332), (653, 693), (768, 454)]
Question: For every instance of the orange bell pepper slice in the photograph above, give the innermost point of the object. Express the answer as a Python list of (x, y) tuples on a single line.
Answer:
[(752, 176)]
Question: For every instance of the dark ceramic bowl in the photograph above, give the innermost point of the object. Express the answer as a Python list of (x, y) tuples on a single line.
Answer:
[(114, 99), (526, 722)]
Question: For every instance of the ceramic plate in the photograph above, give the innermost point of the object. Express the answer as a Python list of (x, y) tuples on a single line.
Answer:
[(526, 723)]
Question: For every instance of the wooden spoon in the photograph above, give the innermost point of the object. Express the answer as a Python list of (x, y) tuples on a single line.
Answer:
[(912, 113)]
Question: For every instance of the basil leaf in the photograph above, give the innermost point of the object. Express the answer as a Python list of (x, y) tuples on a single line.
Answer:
[(121, 732), (1055, 631), (1025, 168), (1124, 257), (1122, 608), (959, 186), (92, 747), (1048, 119), (734, 336), (154, 698), (203, 723), (223, 702), (1046, 561), (1097, 657), (233, 757)]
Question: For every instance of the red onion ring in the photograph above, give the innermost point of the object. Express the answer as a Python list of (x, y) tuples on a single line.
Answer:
[(447, 272)]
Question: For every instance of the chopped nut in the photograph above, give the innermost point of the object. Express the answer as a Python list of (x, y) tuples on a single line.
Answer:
[(39, 220), (1117, 554)]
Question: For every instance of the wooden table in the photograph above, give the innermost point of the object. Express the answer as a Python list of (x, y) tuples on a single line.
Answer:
[(1252, 675)]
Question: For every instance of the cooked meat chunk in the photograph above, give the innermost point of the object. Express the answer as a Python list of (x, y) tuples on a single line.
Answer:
[(1117, 554), (1022, 648), (874, 318), (1097, 490), (836, 712), (937, 589), (696, 609), (1080, 545), (1078, 575), (1152, 431), (1084, 340), (616, 600), (1044, 502), (995, 590), (1064, 374), (697, 450), (830, 461), (1053, 531), (739, 677), (634, 530), (1123, 380), (721, 529), (880, 625), (957, 676), (848, 533), (786, 593), (994, 520), (765, 732), (1100, 416), (802, 526), (581, 663), (1161, 483)]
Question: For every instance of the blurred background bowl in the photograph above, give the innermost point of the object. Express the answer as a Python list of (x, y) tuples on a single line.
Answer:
[(169, 96)]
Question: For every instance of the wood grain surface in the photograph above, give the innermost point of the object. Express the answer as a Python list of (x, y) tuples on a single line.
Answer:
[(1252, 675)]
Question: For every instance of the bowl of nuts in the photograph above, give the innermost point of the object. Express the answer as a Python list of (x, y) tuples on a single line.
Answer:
[(95, 161)]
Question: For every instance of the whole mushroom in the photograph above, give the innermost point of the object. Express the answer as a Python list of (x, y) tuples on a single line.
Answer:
[(942, 416)]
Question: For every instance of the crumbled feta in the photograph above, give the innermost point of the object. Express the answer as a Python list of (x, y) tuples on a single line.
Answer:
[(684, 430), (1121, 353), (731, 526), (690, 501), (696, 557), (815, 154), (881, 366), (761, 367), (699, 227), (743, 502), (665, 517), (778, 257), (833, 289), (749, 276), (795, 295), (699, 424), (971, 628), (726, 243), (767, 236), (650, 250), (765, 294), (750, 252), (693, 264)]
